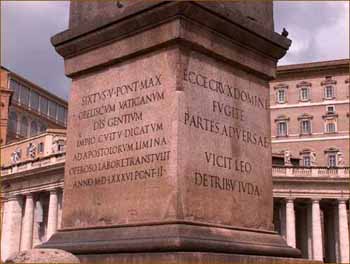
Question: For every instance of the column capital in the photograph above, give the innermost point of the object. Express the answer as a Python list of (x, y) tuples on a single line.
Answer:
[(28, 195), (53, 190), (289, 199), (342, 200), (12, 198), (315, 200)]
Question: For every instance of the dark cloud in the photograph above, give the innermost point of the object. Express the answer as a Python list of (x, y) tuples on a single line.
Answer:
[(319, 30)]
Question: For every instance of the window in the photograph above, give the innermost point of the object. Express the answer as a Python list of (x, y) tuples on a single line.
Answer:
[(304, 91), (43, 105), (330, 109), (13, 122), (61, 114), (330, 127), (33, 128), (34, 101), (306, 161), (14, 86), (304, 94), (41, 147), (329, 92), (52, 109), (332, 160), (282, 129), (24, 127), (24, 95), (65, 116), (60, 145), (281, 96), (308, 158), (305, 126)]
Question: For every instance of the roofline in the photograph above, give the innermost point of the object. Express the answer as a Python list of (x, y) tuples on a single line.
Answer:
[(342, 64), (6, 69), (41, 89)]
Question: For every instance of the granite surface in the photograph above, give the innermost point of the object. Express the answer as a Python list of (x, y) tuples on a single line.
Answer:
[(168, 145), (173, 135)]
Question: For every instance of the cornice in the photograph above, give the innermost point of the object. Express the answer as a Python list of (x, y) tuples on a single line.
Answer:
[(342, 66)]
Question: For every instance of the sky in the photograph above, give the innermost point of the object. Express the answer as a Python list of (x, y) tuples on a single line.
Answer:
[(319, 31)]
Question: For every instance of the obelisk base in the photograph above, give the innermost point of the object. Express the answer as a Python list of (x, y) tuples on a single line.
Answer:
[(189, 258), (125, 242)]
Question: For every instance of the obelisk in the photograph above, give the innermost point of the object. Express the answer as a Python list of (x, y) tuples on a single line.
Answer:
[(168, 141)]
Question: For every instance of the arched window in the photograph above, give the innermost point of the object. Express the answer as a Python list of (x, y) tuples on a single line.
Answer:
[(33, 128), (24, 127), (13, 122)]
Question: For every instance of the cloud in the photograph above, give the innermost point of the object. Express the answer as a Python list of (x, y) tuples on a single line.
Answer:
[(319, 30), (25, 42)]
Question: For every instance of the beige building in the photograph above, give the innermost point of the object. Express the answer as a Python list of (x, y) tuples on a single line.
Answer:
[(32, 188), (33, 123), (27, 109), (311, 202), (310, 126), (310, 113)]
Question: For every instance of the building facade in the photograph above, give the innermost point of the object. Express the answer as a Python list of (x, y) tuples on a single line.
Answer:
[(311, 196), (33, 123), (310, 126), (32, 188), (27, 109), (310, 113)]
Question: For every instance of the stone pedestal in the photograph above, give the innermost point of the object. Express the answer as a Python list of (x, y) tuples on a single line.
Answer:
[(168, 141), (190, 258)]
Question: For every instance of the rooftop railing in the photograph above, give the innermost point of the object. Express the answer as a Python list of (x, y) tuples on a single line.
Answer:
[(279, 171)]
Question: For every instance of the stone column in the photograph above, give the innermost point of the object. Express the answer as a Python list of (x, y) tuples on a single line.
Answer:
[(27, 230), (52, 217), (336, 232), (343, 232), (11, 227), (38, 220), (290, 222), (309, 231), (330, 237), (317, 248), (59, 210), (283, 220)]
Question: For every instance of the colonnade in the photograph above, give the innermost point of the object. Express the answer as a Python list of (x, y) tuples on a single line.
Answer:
[(320, 233), (28, 221)]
